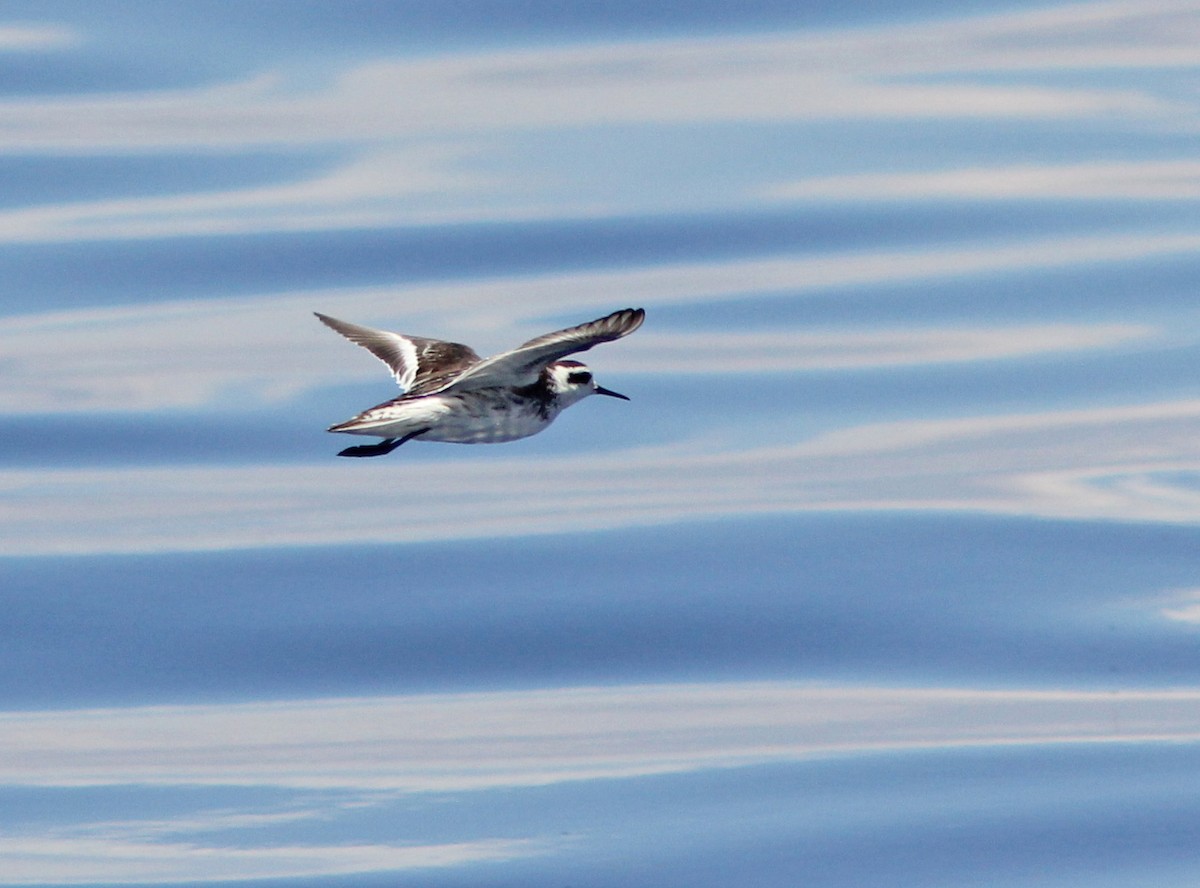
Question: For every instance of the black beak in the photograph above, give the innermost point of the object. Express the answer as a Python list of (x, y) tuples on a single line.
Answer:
[(601, 390)]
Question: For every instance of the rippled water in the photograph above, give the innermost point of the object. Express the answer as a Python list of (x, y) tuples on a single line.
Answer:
[(886, 575)]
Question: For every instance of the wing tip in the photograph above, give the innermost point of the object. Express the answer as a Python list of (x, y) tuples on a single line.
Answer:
[(628, 319), (330, 322), (354, 424)]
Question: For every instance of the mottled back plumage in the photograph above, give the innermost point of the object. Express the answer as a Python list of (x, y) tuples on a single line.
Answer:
[(420, 365)]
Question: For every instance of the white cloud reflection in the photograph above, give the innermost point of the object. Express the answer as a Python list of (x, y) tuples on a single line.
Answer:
[(877, 72), (413, 185), (35, 38), (473, 741), (1138, 463), (783, 350), (191, 354), (200, 372), (407, 124), (90, 857), (361, 752), (1182, 606), (1140, 180)]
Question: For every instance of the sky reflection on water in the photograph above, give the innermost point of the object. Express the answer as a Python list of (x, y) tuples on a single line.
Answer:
[(887, 572)]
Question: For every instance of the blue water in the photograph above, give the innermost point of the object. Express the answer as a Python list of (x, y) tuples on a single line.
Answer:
[(899, 588), (993, 603)]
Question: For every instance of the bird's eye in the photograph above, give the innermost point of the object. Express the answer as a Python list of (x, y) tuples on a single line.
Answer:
[(581, 377)]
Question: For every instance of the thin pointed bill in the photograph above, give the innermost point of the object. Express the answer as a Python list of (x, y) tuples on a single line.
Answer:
[(601, 390)]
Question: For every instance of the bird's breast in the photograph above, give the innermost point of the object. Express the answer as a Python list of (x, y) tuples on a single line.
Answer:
[(488, 416)]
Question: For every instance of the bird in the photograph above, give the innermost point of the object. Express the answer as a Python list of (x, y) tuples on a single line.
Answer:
[(453, 395)]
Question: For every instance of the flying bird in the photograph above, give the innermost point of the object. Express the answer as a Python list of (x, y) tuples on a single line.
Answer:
[(451, 394)]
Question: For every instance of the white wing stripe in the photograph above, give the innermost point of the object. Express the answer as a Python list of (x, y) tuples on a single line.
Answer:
[(406, 368)]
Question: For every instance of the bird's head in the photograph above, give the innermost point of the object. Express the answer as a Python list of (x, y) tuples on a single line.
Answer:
[(572, 381)]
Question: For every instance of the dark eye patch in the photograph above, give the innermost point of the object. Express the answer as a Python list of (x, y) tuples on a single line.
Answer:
[(579, 377)]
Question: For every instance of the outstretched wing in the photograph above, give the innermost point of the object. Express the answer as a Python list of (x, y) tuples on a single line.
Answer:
[(419, 364), (523, 364)]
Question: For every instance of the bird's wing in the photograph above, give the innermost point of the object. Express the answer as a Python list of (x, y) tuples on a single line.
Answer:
[(419, 364), (523, 364)]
